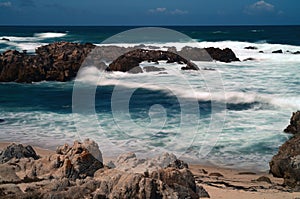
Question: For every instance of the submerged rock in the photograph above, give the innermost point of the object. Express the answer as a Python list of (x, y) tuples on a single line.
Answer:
[(251, 48)]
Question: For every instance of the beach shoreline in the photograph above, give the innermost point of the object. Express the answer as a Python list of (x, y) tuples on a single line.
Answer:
[(221, 182)]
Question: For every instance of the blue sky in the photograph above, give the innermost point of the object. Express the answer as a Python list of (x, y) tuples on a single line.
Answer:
[(149, 12)]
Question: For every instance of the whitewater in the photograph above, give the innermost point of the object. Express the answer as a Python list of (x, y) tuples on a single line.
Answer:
[(252, 108)]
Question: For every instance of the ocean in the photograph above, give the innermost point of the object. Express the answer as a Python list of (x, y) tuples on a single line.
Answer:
[(232, 116)]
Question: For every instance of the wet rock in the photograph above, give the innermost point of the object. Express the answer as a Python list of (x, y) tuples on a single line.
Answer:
[(54, 62), (4, 39), (2, 120), (251, 48), (17, 151), (135, 70), (296, 53), (277, 51), (132, 59), (222, 55), (261, 51), (294, 126), (249, 59)]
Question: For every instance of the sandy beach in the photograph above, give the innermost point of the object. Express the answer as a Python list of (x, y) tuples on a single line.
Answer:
[(223, 182)]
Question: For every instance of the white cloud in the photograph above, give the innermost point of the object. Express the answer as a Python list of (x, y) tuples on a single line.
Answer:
[(259, 7), (165, 11), (5, 4), (158, 10), (178, 12)]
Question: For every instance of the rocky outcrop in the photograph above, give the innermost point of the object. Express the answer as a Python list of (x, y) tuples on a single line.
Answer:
[(294, 126), (17, 151), (286, 163), (225, 55), (73, 172), (130, 60), (61, 61), (54, 62), (251, 48)]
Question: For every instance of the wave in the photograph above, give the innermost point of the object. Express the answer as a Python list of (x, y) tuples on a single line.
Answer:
[(49, 35), (168, 83)]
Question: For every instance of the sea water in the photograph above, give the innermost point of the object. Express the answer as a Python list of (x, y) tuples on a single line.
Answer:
[(259, 97)]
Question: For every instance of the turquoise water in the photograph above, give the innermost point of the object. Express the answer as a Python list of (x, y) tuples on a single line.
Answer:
[(260, 96)]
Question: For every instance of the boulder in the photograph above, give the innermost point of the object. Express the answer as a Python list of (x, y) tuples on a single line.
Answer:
[(222, 55), (294, 126), (4, 39), (277, 51), (249, 59), (17, 151)]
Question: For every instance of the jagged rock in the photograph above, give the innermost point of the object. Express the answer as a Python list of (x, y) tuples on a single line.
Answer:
[(17, 151), (54, 62), (93, 148), (73, 173), (277, 51), (132, 59), (251, 48), (294, 126), (286, 163), (225, 55)]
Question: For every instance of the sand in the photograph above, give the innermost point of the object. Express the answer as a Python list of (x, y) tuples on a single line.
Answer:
[(225, 183)]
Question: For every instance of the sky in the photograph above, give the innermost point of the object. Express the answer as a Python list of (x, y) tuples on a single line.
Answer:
[(149, 12)]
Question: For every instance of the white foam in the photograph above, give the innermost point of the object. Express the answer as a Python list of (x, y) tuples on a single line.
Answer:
[(49, 35)]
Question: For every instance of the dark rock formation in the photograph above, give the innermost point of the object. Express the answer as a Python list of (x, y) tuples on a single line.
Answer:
[(249, 59), (277, 51), (296, 53), (4, 39), (225, 55), (17, 151), (2, 120), (294, 126), (286, 163), (132, 59), (251, 48), (74, 173), (54, 62), (261, 51)]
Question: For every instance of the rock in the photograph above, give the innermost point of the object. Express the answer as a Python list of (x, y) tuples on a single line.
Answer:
[(135, 70), (216, 175), (54, 62), (132, 59), (17, 151), (277, 51), (294, 126), (286, 163), (296, 53), (93, 148), (225, 55), (261, 51), (264, 179), (249, 59), (4, 39), (210, 69), (2, 120), (153, 69), (251, 48), (74, 173)]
